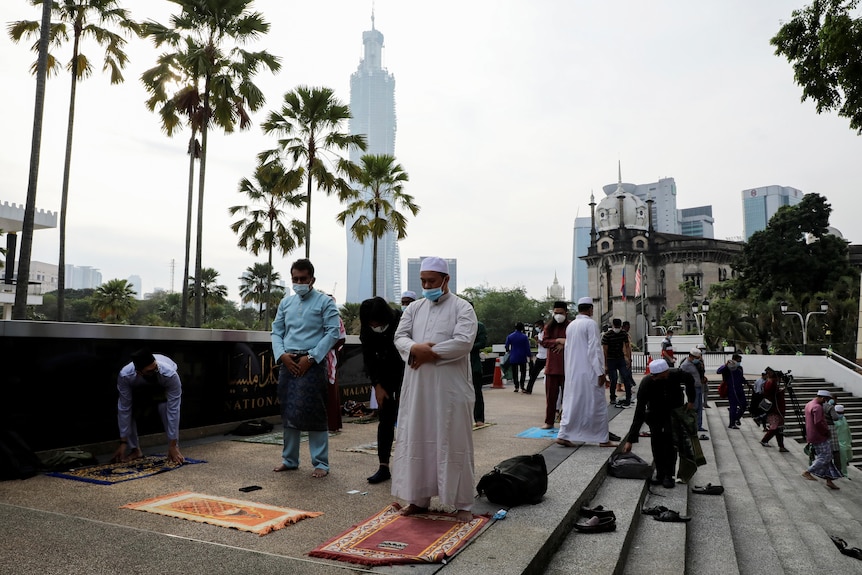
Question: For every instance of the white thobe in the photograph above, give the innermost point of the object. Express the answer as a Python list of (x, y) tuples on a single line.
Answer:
[(585, 408), (434, 451)]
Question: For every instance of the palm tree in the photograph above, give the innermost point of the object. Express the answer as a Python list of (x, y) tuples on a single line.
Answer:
[(87, 18), (263, 228), (114, 301), (309, 127), (256, 287), (207, 35), (210, 290), (375, 210)]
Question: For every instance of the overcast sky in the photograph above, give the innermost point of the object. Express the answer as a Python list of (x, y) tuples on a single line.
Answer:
[(510, 112)]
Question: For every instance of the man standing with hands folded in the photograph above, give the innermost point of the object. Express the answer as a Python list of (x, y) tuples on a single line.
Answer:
[(304, 330)]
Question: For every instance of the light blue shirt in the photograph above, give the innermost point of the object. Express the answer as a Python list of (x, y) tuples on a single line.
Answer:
[(167, 378), (305, 324)]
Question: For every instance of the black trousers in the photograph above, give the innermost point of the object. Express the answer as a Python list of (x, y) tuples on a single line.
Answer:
[(387, 414), (663, 449), (519, 374), (535, 369)]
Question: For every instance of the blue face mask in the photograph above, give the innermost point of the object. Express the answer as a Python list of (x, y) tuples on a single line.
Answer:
[(432, 294), (301, 289)]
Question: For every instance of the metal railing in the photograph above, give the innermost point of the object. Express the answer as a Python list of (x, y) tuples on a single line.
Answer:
[(33, 288), (840, 359)]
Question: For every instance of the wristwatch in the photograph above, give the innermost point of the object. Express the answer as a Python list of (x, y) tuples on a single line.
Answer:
[(311, 360)]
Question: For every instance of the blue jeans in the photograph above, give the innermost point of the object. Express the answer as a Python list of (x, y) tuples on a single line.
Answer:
[(318, 445), (698, 405)]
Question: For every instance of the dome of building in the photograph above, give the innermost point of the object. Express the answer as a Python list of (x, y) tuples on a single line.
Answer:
[(621, 204)]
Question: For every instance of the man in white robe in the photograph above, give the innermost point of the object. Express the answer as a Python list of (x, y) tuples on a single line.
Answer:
[(585, 407), (434, 450)]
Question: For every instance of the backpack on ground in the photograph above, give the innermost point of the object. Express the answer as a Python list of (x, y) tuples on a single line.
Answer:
[(68, 459), (17, 460), (515, 481), (629, 466)]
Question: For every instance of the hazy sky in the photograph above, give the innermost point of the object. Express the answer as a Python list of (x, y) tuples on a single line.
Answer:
[(509, 114)]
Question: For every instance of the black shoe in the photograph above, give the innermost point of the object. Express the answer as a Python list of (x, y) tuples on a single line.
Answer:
[(657, 510), (657, 480), (668, 483), (596, 525), (672, 516), (516, 390), (381, 475), (613, 437), (708, 489), (598, 511)]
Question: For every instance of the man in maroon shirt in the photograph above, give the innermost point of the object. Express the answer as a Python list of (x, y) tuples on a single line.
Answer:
[(817, 434), (554, 338)]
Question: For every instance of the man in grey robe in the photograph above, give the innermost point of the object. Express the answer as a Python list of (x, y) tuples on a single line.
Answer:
[(434, 448)]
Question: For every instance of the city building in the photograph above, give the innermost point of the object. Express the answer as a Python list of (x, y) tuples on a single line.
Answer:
[(372, 110), (556, 292), (82, 277), (580, 247), (415, 285), (760, 204), (697, 222), (137, 285), (12, 222), (623, 238)]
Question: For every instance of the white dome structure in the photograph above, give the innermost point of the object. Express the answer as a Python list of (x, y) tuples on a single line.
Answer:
[(622, 209)]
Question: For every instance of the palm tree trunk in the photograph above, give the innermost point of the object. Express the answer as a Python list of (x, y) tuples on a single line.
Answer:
[(268, 281), (193, 148), (308, 215), (201, 180), (67, 165), (374, 269), (19, 311)]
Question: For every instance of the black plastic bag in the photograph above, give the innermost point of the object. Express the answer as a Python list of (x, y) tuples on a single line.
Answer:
[(629, 466), (515, 481)]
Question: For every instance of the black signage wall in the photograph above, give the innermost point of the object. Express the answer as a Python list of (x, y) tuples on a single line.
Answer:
[(58, 382)]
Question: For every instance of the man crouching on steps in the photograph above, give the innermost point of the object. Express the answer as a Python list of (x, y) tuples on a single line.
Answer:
[(659, 393)]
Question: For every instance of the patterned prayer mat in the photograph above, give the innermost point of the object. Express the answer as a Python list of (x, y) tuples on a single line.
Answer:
[(539, 433), (242, 515), (110, 473), (369, 448), (389, 538), (275, 437)]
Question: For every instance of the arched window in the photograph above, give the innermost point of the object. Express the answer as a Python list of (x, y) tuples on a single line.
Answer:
[(605, 245), (639, 244)]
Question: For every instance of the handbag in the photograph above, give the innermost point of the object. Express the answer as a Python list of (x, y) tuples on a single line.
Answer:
[(722, 390), (765, 405), (517, 480)]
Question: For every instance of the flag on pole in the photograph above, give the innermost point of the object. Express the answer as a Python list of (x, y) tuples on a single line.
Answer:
[(623, 282), (638, 280)]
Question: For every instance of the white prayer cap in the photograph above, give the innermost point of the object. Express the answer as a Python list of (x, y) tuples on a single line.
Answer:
[(695, 352), (410, 294), (658, 366), (434, 264), (701, 346), (839, 408), (824, 393), (585, 301)]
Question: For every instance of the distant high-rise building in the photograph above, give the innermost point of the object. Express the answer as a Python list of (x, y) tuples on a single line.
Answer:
[(82, 277), (137, 285), (760, 204), (415, 285), (697, 222), (372, 110), (580, 281)]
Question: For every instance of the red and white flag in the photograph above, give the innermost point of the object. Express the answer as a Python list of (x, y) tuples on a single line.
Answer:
[(638, 279)]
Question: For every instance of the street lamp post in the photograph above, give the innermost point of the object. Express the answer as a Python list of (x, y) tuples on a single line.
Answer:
[(824, 307), (700, 316)]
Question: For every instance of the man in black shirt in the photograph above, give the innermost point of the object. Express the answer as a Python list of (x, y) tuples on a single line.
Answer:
[(659, 394), (615, 344)]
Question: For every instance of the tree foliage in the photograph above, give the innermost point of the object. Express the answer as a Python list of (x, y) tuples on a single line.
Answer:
[(114, 301), (794, 254), (823, 42), (501, 308)]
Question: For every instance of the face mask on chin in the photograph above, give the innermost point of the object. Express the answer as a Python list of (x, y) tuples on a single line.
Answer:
[(433, 294)]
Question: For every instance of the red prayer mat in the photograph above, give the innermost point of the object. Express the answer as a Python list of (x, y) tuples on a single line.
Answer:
[(389, 538), (243, 515)]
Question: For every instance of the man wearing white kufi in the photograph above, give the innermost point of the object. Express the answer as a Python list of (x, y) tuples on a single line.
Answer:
[(585, 408), (434, 451)]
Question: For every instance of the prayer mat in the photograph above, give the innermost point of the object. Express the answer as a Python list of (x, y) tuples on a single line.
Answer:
[(235, 513), (389, 538), (365, 419), (274, 438), (110, 473), (539, 433), (369, 448)]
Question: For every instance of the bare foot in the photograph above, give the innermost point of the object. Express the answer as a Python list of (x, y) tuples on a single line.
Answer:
[(134, 454), (284, 467), (318, 473), (463, 516), (809, 477), (831, 485), (546, 426), (413, 510), (609, 444), (565, 443)]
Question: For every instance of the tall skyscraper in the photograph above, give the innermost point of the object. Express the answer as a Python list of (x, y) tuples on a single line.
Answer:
[(372, 110), (760, 204), (580, 281)]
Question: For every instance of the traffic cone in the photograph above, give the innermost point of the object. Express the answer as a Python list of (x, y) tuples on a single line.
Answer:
[(648, 360), (498, 375)]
